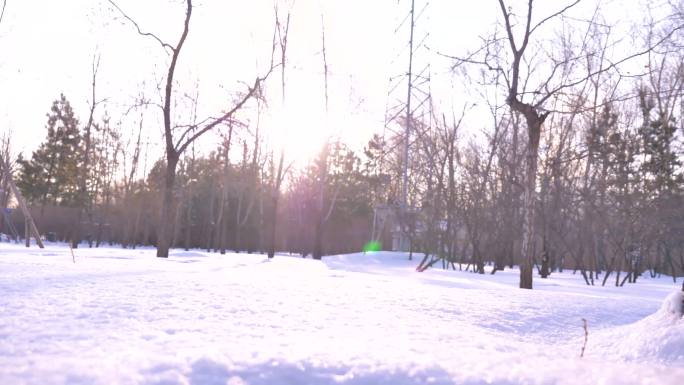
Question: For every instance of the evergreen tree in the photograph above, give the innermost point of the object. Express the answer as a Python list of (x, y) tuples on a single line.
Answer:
[(663, 181), (661, 163), (51, 175)]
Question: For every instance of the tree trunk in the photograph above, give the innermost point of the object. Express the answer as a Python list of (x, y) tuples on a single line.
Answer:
[(272, 226), (188, 224), (545, 266), (318, 239), (528, 241), (133, 238), (274, 214), (177, 219), (167, 208), (209, 229), (223, 229)]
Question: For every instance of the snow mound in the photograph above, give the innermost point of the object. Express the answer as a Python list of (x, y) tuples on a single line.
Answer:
[(674, 305), (658, 338), (187, 254)]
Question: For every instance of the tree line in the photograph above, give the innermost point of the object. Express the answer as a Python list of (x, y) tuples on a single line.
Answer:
[(224, 196), (579, 167)]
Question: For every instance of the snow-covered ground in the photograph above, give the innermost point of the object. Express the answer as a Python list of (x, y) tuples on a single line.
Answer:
[(125, 317)]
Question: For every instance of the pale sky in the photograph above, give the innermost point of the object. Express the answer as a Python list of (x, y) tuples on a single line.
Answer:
[(47, 48)]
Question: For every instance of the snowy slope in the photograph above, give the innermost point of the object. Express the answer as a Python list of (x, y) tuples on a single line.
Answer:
[(125, 317)]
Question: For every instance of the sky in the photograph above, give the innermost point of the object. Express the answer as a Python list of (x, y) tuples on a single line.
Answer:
[(48, 48)]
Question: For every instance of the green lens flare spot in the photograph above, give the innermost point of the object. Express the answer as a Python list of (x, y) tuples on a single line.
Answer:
[(372, 246)]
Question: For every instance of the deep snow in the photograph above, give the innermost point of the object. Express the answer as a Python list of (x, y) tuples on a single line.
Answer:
[(125, 317)]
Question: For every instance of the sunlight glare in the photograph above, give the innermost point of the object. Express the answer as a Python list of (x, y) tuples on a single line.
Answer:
[(299, 132)]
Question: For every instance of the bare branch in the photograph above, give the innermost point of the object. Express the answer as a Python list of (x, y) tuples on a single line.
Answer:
[(2, 11), (251, 92), (325, 62), (282, 34), (612, 65), (148, 34), (562, 11), (470, 60), (509, 29), (528, 32)]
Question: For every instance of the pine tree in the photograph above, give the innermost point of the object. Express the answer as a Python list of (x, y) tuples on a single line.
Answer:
[(51, 175), (658, 136)]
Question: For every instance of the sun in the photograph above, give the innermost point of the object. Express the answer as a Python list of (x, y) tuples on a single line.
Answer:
[(299, 133)]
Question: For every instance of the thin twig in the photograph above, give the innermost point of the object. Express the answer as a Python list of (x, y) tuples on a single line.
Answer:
[(562, 11), (586, 336)]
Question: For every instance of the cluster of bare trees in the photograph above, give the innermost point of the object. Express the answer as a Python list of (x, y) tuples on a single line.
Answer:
[(581, 166)]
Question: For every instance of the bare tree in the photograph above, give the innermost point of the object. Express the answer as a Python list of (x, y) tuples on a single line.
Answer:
[(535, 116), (84, 201), (222, 218), (323, 172), (178, 138), (278, 173)]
